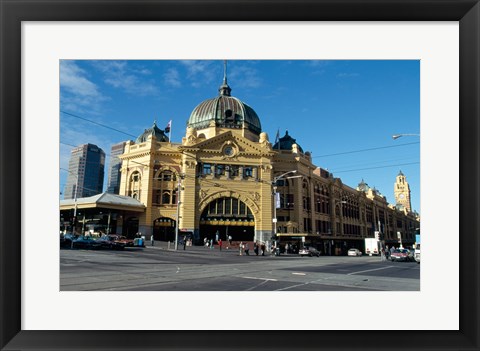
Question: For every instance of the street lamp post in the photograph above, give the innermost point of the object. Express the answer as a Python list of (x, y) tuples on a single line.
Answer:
[(396, 136), (274, 186), (74, 200), (179, 189)]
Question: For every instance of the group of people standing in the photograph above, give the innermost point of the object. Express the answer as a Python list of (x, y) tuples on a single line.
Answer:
[(243, 247), (386, 252)]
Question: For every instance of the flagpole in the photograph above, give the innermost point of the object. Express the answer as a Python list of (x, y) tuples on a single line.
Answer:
[(170, 132)]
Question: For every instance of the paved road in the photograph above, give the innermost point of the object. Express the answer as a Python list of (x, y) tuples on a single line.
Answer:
[(201, 269)]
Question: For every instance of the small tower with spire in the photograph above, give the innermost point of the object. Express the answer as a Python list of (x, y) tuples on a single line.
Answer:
[(224, 89), (401, 189)]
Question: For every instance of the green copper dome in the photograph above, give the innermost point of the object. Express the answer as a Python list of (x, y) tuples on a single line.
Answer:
[(227, 111)]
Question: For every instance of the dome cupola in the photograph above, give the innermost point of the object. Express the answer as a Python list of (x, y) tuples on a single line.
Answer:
[(153, 131), (286, 143), (225, 111)]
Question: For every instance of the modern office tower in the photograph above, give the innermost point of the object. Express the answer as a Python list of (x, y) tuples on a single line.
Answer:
[(114, 175), (86, 170)]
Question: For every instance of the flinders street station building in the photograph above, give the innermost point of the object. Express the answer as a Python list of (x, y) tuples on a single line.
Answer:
[(228, 178)]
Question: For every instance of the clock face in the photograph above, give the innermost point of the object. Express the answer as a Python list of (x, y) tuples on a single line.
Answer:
[(228, 151), (402, 196)]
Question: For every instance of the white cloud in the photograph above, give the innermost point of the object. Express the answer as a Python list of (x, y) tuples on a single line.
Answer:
[(202, 72), (72, 79), (244, 76), (78, 93), (172, 78), (120, 75)]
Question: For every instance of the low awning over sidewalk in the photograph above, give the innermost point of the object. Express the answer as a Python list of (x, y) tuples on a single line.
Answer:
[(299, 234), (104, 200)]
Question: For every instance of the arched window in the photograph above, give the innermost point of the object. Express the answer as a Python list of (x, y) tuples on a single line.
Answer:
[(306, 195), (227, 207), (166, 198), (134, 185), (164, 190)]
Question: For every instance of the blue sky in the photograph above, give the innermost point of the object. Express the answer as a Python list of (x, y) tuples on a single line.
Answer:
[(343, 112)]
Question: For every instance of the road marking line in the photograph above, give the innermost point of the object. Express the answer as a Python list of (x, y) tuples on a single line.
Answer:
[(298, 273), (370, 270), (293, 286), (267, 279)]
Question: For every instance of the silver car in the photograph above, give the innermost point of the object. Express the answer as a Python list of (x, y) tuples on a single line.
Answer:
[(354, 252), (309, 251)]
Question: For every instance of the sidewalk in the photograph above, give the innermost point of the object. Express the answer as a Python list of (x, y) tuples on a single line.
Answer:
[(232, 250)]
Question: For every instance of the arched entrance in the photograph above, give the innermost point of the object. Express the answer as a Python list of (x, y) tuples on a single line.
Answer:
[(164, 229), (227, 216)]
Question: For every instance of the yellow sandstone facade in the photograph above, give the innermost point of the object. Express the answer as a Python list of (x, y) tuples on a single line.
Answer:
[(219, 182)]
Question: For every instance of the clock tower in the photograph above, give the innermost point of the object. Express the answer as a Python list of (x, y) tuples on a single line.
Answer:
[(401, 190)]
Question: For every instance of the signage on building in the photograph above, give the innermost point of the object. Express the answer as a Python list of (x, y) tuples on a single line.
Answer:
[(277, 200)]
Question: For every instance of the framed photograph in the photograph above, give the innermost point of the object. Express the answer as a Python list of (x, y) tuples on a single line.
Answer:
[(39, 39)]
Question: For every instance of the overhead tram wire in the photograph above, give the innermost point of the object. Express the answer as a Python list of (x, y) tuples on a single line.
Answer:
[(216, 184), (379, 167), (98, 124), (364, 150), (348, 165), (327, 155)]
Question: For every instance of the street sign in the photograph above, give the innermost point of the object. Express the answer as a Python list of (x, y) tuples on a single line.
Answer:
[(274, 220)]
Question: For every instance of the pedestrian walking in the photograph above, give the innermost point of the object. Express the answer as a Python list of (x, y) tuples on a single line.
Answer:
[(211, 244), (262, 247), (240, 248), (220, 244), (247, 249), (230, 240), (184, 242), (255, 248), (205, 242), (152, 239)]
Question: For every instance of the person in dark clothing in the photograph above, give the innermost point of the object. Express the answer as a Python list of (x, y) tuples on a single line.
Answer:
[(247, 249)]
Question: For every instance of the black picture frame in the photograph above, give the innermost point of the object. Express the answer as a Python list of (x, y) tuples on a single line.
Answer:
[(13, 12)]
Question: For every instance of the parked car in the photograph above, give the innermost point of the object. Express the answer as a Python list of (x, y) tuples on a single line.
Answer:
[(401, 255), (309, 251), (111, 242), (122, 240), (66, 240), (354, 252), (86, 242)]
